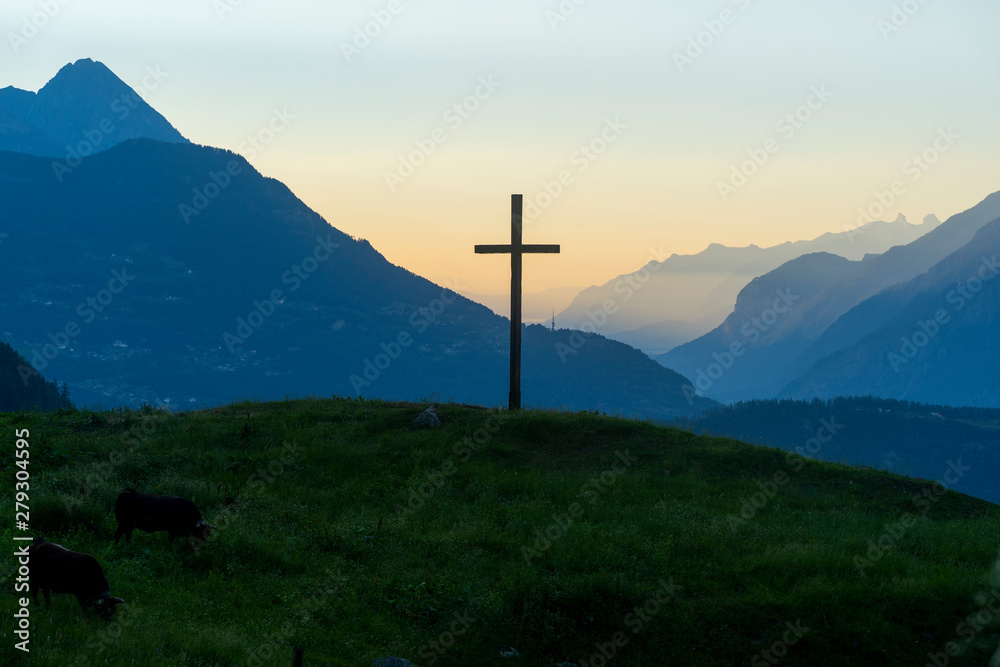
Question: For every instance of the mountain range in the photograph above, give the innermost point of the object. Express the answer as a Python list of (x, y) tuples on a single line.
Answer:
[(154, 270), (159, 271), (916, 323), (933, 339), (667, 303)]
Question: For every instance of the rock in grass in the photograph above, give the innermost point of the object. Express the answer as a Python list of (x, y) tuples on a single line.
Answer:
[(428, 418), (509, 652), (391, 662)]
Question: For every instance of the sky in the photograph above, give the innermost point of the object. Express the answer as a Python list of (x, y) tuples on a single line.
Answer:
[(634, 129)]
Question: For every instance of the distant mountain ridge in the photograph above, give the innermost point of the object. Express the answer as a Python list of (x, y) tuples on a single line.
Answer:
[(686, 296), (840, 341), (741, 353), (83, 110), (933, 338)]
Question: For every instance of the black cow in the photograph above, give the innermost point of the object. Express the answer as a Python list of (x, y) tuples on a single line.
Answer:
[(177, 516), (55, 569)]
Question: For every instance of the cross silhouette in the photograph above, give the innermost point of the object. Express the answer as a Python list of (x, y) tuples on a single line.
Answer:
[(515, 249)]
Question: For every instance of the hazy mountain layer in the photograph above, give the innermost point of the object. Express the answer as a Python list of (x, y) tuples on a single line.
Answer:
[(685, 296), (738, 358), (855, 302), (932, 339)]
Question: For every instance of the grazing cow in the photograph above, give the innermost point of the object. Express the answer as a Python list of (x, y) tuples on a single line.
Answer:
[(55, 569), (177, 516)]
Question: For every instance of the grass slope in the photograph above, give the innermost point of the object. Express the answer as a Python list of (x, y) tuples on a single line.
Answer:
[(375, 538)]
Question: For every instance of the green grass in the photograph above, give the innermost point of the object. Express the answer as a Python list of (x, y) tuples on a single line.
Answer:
[(327, 525)]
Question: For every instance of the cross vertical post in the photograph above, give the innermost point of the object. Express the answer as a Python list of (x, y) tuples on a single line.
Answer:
[(516, 216), (516, 249)]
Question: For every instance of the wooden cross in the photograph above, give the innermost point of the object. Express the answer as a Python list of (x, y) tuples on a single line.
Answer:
[(516, 249)]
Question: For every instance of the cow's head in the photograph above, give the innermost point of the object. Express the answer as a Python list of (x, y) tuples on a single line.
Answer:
[(106, 605), (201, 531)]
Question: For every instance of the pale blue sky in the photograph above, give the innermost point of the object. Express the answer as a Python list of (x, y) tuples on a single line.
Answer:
[(656, 186)]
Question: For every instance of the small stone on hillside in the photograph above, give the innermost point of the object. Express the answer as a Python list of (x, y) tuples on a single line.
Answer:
[(428, 418), (509, 652), (391, 662)]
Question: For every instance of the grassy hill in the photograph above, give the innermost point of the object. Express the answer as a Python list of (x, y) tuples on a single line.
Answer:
[(347, 531)]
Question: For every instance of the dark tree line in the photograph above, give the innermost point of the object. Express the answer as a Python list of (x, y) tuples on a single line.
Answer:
[(24, 388), (900, 436)]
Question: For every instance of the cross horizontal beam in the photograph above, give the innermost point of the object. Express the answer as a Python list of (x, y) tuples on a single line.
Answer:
[(506, 249)]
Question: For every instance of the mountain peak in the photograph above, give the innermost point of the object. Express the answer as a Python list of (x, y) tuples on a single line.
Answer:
[(901, 220), (85, 108), (85, 67)]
